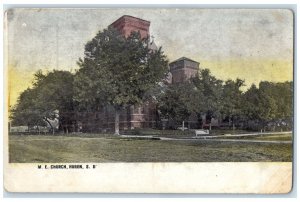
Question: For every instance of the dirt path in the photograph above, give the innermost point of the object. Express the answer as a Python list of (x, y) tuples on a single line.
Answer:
[(232, 140), (214, 140), (244, 134)]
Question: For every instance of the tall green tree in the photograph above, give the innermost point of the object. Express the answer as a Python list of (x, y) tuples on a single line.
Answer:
[(232, 100), (282, 93), (50, 97), (259, 106), (178, 102), (25, 112), (118, 71), (271, 102), (250, 101), (209, 94)]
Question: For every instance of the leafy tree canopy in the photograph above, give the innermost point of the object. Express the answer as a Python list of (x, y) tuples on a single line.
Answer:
[(117, 70), (209, 90), (51, 92), (177, 102), (270, 102)]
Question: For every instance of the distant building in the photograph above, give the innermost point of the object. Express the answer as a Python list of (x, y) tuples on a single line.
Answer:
[(183, 69)]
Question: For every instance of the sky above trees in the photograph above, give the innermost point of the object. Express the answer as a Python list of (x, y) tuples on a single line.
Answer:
[(253, 45)]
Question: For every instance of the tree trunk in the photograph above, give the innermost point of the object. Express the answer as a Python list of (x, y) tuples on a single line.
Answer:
[(50, 125), (117, 122), (182, 125), (9, 126), (209, 126)]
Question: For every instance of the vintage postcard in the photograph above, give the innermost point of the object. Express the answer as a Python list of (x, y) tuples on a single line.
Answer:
[(132, 100)]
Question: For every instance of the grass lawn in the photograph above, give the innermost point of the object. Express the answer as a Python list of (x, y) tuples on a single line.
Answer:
[(97, 148)]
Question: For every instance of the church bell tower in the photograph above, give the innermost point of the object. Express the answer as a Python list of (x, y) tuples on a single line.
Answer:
[(183, 69), (127, 24)]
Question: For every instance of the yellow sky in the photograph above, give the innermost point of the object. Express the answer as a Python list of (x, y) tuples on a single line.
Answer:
[(252, 71), (18, 81)]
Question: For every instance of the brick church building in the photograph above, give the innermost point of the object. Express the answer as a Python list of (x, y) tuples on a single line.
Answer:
[(145, 115)]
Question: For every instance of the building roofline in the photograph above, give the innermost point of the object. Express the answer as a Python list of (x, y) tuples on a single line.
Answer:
[(184, 58), (129, 17)]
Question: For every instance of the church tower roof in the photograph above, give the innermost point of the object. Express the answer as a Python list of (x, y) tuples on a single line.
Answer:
[(127, 24), (184, 58)]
